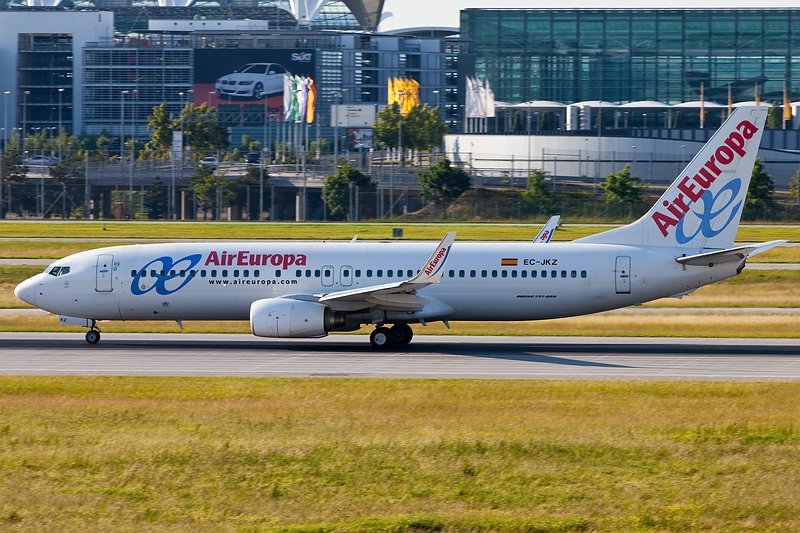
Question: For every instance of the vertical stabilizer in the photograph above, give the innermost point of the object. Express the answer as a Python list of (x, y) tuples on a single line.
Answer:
[(703, 206)]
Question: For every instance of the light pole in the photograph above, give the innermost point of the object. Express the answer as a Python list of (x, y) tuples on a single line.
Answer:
[(122, 134), (133, 152), (208, 99), (60, 94), (3, 147), (25, 122)]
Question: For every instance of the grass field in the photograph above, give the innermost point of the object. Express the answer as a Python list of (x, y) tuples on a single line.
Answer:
[(121, 231), (320, 455)]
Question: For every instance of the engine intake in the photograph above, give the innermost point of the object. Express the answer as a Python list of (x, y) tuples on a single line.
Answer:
[(285, 317)]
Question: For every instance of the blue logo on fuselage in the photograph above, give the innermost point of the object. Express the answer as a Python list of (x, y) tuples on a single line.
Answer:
[(166, 269)]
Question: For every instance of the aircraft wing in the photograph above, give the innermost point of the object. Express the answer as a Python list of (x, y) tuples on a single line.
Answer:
[(739, 253), (547, 231), (399, 295)]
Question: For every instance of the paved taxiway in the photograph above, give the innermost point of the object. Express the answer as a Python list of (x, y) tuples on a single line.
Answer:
[(426, 357)]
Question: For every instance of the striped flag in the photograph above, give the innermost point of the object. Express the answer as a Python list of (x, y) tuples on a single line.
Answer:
[(509, 261)]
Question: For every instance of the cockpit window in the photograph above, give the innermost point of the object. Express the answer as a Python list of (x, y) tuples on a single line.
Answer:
[(59, 271)]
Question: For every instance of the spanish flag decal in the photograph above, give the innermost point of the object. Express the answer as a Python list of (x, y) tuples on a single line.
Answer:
[(508, 262)]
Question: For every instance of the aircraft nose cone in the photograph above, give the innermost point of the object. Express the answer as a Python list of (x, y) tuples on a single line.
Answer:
[(26, 291)]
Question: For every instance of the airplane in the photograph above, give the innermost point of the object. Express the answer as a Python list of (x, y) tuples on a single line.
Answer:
[(304, 289), (546, 233)]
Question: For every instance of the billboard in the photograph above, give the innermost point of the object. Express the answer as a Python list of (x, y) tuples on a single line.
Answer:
[(353, 116), (237, 77)]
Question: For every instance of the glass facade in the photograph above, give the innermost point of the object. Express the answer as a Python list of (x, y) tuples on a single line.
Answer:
[(628, 55)]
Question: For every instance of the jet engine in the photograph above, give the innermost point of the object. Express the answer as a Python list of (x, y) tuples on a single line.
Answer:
[(286, 317)]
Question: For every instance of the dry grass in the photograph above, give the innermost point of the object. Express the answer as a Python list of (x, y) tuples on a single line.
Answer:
[(688, 324), (154, 454)]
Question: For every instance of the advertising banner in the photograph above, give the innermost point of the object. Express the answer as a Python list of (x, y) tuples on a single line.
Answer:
[(245, 77)]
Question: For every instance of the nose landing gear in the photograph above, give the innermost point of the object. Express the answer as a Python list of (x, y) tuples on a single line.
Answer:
[(384, 338)]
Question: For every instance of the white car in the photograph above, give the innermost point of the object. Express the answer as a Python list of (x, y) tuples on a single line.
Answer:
[(253, 80), (41, 160)]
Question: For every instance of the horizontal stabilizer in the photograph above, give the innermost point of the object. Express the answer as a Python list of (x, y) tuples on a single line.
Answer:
[(731, 255)]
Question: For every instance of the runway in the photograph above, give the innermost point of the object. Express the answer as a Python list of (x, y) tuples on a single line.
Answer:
[(426, 357)]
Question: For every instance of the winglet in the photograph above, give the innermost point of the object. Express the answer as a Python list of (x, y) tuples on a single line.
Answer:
[(547, 231), (433, 267)]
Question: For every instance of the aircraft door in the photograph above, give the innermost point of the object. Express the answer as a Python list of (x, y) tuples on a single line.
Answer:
[(327, 276), (346, 276), (104, 266), (622, 274)]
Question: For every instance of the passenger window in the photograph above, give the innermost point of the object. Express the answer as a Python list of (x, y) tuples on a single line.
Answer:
[(583, 273), (214, 273), (523, 274), (183, 273), (369, 272), (513, 273), (484, 273), (345, 273), (573, 274), (358, 273), (225, 273), (451, 273), (316, 273), (153, 274), (533, 273), (133, 273), (472, 273), (298, 273), (172, 273), (256, 273), (461, 273), (379, 273), (563, 273), (277, 273), (504, 273), (203, 273), (494, 273), (246, 273), (409, 273), (554, 273), (544, 273)]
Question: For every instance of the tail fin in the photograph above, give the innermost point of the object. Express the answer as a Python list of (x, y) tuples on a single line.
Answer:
[(703, 206), (546, 233)]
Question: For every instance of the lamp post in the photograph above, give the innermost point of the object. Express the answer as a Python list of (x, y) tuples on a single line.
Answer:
[(133, 152), (2, 148), (122, 134), (60, 94), (25, 122)]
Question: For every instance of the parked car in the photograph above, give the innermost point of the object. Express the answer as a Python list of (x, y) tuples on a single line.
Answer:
[(254, 80), (252, 158), (41, 160), (209, 161)]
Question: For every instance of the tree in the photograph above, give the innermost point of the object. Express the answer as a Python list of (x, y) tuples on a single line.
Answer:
[(201, 130), (156, 199), (212, 189), (760, 193), (774, 118), (538, 192), (336, 189), (621, 187), (794, 187), (421, 129), (161, 127), (443, 183)]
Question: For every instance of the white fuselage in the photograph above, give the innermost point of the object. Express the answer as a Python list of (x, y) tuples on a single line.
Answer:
[(481, 281)]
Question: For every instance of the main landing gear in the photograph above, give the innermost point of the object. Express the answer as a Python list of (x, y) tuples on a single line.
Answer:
[(93, 335), (385, 338)]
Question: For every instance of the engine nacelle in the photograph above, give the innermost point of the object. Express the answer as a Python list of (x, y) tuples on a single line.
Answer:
[(284, 317)]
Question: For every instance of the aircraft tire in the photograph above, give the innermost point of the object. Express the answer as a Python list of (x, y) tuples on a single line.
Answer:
[(381, 338), (92, 336), (401, 334)]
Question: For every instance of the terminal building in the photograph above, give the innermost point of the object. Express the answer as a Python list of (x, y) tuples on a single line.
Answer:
[(578, 91)]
